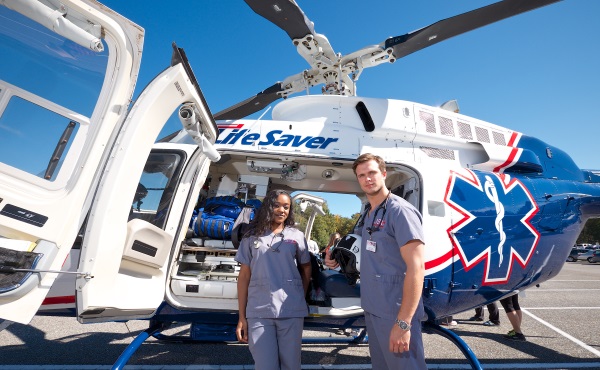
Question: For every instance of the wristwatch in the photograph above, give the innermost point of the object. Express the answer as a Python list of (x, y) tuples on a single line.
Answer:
[(403, 325)]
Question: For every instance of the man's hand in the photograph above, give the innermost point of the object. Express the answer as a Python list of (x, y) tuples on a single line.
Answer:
[(399, 340), (329, 262)]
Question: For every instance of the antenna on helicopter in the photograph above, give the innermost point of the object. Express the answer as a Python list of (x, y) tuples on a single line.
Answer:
[(451, 105), (339, 73)]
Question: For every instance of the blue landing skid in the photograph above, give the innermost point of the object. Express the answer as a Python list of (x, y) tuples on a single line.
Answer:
[(461, 344), (223, 334), (137, 342)]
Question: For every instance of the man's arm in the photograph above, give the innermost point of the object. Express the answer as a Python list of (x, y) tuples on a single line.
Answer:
[(412, 253)]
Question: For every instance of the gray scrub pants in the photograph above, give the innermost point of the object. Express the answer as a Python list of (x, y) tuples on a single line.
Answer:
[(378, 330), (276, 343)]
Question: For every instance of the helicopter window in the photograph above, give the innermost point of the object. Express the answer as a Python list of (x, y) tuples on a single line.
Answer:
[(53, 67), (482, 134), (446, 126), (52, 136), (427, 119), (499, 138), (49, 86), (154, 196), (464, 131)]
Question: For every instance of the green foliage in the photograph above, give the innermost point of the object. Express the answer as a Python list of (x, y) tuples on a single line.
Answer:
[(325, 225), (591, 232)]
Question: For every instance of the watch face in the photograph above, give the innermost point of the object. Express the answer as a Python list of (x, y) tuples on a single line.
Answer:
[(403, 325)]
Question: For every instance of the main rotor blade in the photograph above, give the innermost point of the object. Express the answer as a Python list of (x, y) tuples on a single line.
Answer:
[(285, 14), (450, 27), (250, 105)]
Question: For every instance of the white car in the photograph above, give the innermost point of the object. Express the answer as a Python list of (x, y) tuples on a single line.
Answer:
[(585, 256)]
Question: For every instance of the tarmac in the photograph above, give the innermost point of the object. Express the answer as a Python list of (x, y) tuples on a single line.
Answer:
[(560, 322)]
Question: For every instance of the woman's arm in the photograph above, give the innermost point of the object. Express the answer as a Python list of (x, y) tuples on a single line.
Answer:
[(305, 272), (242, 288)]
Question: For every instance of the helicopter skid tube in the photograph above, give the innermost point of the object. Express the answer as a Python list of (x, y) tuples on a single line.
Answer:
[(155, 327), (454, 338)]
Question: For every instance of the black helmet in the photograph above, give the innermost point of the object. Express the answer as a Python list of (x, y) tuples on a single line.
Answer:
[(347, 254)]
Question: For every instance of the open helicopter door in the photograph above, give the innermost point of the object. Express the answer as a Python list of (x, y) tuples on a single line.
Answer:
[(64, 92), (127, 244), (72, 155)]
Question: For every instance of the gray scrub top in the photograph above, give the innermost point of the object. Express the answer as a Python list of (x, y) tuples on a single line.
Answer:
[(392, 224), (275, 289)]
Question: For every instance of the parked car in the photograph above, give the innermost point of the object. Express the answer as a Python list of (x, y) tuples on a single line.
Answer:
[(575, 252), (595, 256), (584, 256)]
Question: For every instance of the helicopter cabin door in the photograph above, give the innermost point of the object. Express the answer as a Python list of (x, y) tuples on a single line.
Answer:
[(72, 154), (64, 94), (144, 204)]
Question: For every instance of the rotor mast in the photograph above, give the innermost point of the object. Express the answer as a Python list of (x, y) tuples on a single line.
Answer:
[(336, 72)]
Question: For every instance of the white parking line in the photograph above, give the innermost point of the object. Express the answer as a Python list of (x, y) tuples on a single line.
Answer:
[(571, 281), (571, 338), (558, 290), (563, 308), (493, 366)]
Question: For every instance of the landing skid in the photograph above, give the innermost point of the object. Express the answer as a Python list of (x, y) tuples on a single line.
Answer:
[(457, 340), (224, 334)]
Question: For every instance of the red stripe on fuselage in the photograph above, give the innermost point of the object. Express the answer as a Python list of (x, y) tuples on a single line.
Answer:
[(514, 138), (59, 300), (438, 261), (232, 126)]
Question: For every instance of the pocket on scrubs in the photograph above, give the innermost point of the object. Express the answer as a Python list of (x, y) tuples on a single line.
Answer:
[(259, 295), (294, 296)]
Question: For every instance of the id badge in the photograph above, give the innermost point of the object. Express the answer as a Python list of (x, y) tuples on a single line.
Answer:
[(371, 246)]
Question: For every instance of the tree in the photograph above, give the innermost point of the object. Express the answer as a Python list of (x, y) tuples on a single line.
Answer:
[(325, 225), (590, 233)]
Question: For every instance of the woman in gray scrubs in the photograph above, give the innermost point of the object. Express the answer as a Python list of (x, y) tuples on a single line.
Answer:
[(272, 284)]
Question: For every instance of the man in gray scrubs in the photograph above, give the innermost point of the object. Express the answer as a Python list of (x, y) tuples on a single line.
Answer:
[(391, 271)]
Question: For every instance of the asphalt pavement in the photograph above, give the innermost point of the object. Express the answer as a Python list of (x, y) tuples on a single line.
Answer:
[(560, 323)]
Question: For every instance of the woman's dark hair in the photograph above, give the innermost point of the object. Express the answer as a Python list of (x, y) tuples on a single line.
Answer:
[(262, 222)]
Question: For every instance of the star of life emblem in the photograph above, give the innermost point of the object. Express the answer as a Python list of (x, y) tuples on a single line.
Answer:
[(495, 227)]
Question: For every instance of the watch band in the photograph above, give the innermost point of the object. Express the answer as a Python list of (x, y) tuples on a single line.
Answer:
[(403, 325)]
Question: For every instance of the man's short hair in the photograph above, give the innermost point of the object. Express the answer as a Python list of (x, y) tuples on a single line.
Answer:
[(369, 157)]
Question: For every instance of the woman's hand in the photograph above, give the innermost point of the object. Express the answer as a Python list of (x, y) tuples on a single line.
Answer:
[(242, 330)]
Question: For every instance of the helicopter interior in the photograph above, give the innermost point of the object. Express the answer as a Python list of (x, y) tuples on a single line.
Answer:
[(203, 271)]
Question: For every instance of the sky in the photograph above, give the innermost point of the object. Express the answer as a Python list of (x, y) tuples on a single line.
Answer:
[(536, 73)]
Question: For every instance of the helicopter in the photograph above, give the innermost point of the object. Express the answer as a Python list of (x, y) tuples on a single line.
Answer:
[(501, 209)]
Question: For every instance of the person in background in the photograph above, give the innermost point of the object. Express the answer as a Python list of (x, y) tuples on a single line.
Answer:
[(448, 321), (272, 284), (313, 247), (333, 239), (392, 271), (493, 314), (515, 316)]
